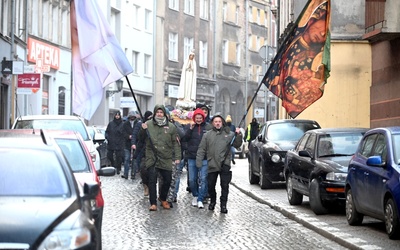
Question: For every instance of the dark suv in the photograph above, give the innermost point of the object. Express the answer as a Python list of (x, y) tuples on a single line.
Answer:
[(267, 152)]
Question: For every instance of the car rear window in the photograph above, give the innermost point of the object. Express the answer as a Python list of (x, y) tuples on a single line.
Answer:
[(23, 176), (288, 131), (74, 125), (74, 153)]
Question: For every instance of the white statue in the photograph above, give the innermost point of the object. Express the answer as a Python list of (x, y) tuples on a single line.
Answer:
[(187, 84)]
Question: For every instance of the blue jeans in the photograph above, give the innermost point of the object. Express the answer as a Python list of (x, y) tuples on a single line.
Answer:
[(136, 164), (127, 162), (179, 169), (198, 179), (233, 150)]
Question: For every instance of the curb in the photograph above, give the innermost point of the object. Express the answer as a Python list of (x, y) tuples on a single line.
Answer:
[(313, 226)]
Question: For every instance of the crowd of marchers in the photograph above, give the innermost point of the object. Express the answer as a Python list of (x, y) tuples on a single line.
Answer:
[(157, 148)]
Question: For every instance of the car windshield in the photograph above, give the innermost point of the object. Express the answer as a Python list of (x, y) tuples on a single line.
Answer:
[(74, 125), (23, 176), (288, 131), (396, 148), (338, 144), (74, 153)]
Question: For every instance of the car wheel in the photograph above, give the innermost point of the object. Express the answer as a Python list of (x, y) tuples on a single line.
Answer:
[(315, 199), (264, 182), (253, 179), (391, 220), (294, 197), (353, 217)]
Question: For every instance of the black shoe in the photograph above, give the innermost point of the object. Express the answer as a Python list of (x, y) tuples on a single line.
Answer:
[(233, 161), (132, 177), (224, 210), (170, 204), (123, 176), (118, 171), (211, 206)]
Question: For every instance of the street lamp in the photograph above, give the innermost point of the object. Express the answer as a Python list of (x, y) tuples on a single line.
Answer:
[(119, 83)]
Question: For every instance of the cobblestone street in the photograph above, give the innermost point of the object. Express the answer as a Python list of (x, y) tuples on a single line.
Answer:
[(128, 223)]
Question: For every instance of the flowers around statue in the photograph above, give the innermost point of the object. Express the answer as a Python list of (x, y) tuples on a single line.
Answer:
[(182, 116)]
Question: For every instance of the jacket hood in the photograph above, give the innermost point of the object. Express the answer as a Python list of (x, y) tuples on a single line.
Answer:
[(223, 120), (157, 107), (199, 111)]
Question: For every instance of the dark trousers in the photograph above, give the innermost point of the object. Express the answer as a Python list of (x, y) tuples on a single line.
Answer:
[(166, 176), (115, 157), (143, 172), (225, 179)]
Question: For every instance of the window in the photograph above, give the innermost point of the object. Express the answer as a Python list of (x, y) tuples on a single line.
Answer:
[(135, 56), (237, 15), (238, 54), (189, 7), (45, 20), (366, 148), (258, 42), (224, 11), (249, 42), (204, 9), (250, 14), (147, 65), (258, 16), (61, 100), (147, 20), (135, 16), (64, 27), (173, 47), (187, 47), (55, 22), (203, 54), (225, 51), (174, 4)]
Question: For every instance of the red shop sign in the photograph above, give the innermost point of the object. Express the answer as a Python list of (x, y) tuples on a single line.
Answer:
[(29, 81)]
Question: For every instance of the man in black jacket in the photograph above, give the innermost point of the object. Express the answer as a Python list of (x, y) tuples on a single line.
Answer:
[(127, 131), (115, 142)]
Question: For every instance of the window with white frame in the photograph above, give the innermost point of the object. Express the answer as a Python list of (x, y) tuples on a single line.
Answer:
[(135, 57), (203, 48), (225, 51), (174, 4), (173, 47), (258, 16), (187, 47), (238, 54), (204, 9), (135, 16), (224, 11), (147, 20), (147, 65), (189, 7)]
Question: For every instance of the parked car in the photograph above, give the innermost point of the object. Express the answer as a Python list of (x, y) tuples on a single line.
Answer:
[(42, 205), (244, 149), (77, 154), (100, 142), (60, 122), (317, 167), (267, 152), (372, 183)]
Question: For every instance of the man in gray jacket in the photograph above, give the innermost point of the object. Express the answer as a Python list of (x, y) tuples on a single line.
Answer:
[(216, 145)]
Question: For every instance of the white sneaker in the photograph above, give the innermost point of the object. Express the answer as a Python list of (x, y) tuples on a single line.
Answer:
[(200, 204), (194, 201)]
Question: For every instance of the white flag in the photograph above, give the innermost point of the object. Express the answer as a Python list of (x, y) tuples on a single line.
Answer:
[(97, 58)]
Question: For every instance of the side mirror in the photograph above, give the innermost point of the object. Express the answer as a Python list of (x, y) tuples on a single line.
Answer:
[(375, 160)]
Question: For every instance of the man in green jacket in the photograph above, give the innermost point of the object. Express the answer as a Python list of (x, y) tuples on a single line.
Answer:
[(162, 149), (216, 145)]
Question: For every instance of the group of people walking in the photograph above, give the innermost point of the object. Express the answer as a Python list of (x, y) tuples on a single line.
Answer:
[(161, 146)]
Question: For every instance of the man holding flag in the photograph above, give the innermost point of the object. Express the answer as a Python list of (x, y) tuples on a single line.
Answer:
[(299, 71)]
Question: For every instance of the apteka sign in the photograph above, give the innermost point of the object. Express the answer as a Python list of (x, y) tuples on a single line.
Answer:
[(46, 53)]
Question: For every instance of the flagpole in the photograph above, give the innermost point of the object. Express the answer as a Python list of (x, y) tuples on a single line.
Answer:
[(134, 98)]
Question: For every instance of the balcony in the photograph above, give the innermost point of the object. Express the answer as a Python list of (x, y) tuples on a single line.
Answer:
[(382, 20)]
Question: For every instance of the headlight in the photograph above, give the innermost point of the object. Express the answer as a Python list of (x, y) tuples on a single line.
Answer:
[(275, 158), (332, 176), (66, 239)]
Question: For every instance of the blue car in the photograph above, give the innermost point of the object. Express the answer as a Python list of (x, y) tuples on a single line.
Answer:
[(372, 183)]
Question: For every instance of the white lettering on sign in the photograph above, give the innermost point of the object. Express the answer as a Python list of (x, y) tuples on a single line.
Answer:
[(48, 54)]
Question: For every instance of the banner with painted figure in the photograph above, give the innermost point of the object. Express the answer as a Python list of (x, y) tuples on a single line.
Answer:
[(300, 69)]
